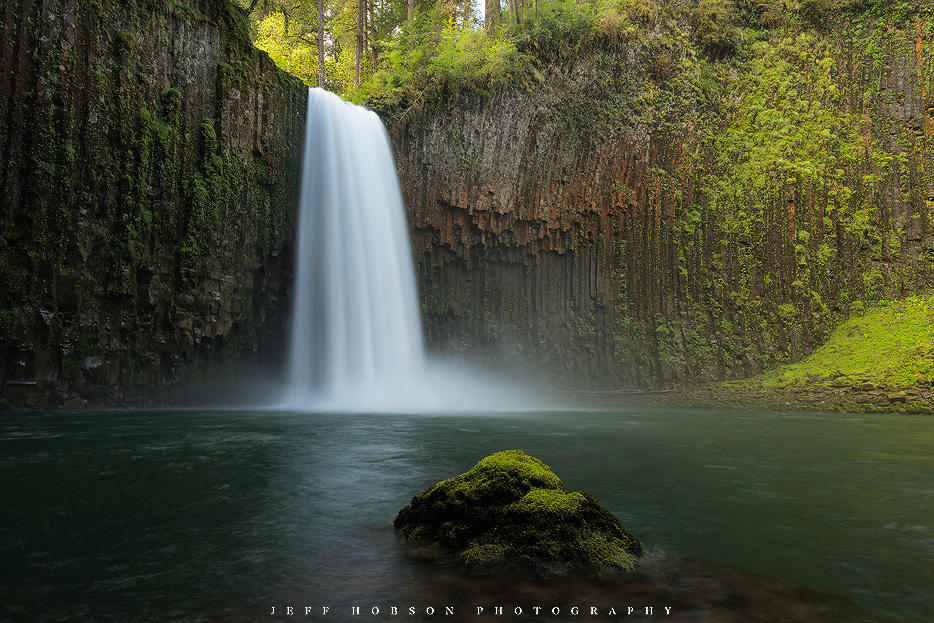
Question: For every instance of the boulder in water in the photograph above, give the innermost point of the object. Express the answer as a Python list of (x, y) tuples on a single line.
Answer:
[(511, 511)]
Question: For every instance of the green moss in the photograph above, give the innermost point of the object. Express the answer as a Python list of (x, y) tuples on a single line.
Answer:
[(554, 503), (880, 361), (606, 552), (713, 25), (892, 344), (512, 510), (486, 556), (126, 40), (208, 137), (512, 469), (171, 100)]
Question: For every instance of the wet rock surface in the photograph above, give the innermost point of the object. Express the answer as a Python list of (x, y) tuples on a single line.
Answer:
[(149, 161), (511, 511), (802, 396)]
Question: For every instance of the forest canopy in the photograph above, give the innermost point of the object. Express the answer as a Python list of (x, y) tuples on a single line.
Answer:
[(397, 51)]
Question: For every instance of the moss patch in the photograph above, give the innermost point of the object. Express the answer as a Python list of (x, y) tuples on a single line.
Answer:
[(511, 510), (891, 345), (879, 361)]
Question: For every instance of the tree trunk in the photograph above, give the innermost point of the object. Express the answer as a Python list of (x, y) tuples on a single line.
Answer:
[(366, 26), (492, 15), (361, 20), (411, 9), (320, 44)]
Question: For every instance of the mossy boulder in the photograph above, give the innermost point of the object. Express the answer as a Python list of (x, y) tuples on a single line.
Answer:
[(511, 511)]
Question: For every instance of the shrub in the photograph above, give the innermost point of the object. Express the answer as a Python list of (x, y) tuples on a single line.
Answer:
[(770, 13), (817, 12), (642, 11), (714, 27)]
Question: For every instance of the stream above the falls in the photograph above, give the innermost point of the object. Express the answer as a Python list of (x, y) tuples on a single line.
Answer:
[(221, 515)]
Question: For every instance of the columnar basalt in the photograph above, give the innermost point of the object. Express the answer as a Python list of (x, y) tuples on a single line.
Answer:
[(149, 158), (652, 217)]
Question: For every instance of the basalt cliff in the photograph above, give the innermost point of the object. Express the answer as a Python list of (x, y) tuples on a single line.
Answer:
[(656, 214), (651, 213), (149, 161)]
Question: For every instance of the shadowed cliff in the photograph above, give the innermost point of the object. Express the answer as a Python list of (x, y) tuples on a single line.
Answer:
[(149, 160)]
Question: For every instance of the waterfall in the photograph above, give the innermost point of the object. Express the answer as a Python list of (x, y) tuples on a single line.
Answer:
[(356, 333)]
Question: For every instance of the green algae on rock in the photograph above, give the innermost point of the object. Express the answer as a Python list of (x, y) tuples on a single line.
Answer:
[(510, 510)]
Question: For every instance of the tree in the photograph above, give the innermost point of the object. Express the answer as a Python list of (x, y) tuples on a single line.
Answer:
[(492, 15), (361, 27), (320, 44)]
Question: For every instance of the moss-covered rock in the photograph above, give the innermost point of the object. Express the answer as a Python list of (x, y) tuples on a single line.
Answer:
[(510, 510)]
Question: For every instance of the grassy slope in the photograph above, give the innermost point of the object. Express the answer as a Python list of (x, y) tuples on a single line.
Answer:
[(881, 361), (891, 345)]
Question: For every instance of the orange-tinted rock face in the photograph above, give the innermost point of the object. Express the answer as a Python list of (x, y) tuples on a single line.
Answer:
[(578, 229), (520, 233)]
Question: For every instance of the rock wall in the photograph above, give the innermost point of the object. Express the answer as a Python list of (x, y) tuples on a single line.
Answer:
[(654, 217), (149, 160)]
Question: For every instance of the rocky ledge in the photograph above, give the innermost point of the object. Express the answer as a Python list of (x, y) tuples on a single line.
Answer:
[(511, 511), (829, 394)]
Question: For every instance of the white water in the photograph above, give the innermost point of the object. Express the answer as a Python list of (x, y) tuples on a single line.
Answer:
[(356, 334), (355, 330)]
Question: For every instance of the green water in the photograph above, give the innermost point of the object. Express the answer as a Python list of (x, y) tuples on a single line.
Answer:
[(220, 515)]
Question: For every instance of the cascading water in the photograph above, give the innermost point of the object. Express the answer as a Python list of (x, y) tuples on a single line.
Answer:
[(356, 334)]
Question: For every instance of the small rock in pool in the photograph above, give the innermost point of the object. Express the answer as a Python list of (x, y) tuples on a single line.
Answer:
[(511, 511)]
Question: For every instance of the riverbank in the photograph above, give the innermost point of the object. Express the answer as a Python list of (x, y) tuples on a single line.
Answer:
[(753, 395)]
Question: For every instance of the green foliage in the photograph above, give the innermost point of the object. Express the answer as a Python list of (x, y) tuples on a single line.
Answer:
[(822, 14), (434, 55), (642, 11), (891, 345), (766, 13), (790, 138), (817, 12), (288, 31), (714, 27), (295, 53), (563, 27), (441, 50)]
